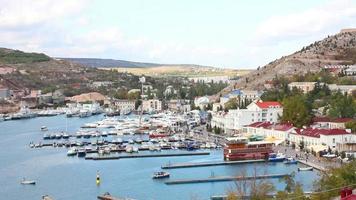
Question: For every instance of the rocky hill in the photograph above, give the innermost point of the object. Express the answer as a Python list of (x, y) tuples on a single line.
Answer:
[(336, 49)]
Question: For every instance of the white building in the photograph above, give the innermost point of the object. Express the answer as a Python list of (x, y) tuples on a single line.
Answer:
[(303, 86), (125, 105), (151, 105), (350, 71), (201, 102), (267, 129), (255, 112), (328, 123), (209, 79), (320, 139), (345, 89), (242, 95)]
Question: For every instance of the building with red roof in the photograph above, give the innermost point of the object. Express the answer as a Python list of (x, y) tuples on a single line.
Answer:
[(330, 123), (329, 138), (268, 129)]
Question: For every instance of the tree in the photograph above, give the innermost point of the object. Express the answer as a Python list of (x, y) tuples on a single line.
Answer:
[(296, 111), (342, 106), (351, 125), (231, 104)]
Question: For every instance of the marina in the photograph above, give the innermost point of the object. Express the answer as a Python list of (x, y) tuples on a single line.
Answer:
[(207, 164), (49, 164)]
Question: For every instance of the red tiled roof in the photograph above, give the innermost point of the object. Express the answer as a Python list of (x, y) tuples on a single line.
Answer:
[(282, 127), (260, 124), (310, 132), (268, 104), (327, 119)]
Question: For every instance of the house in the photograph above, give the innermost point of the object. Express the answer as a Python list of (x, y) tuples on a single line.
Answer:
[(303, 86), (210, 79), (258, 111), (97, 84), (320, 139), (350, 71), (151, 105), (329, 123), (169, 91), (345, 89)]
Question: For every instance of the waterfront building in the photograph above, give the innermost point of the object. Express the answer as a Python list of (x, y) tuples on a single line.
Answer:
[(179, 105), (125, 105), (267, 129), (350, 71), (257, 111), (151, 105), (320, 139)]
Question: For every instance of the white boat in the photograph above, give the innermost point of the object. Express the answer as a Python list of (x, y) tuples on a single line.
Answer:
[(129, 149), (28, 182), (89, 125), (24, 113), (161, 174), (85, 113), (329, 156), (72, 152), (135, 149), (44, 128), (305, 168)]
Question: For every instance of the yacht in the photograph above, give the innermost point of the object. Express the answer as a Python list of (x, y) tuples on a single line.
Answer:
[(24, 113), (72, 152), (160, 174)]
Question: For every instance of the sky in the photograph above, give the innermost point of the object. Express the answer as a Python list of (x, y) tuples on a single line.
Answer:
[(223, 33)]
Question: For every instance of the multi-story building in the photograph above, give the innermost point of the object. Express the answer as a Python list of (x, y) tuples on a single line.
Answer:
[(125, 105), (179, 105), (241, 96), (151, 105), (303, 86), (328, 123), (267, 129), (258, 111)]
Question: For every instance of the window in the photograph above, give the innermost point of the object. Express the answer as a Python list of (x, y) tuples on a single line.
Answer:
[(333, 140), (270, 114)]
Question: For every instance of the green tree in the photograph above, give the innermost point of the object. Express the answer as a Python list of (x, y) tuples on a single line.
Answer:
[(231, 104), (296, 111), (342, 106), (351, 125)]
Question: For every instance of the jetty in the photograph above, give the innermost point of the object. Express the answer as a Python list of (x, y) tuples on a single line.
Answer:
[(318, 167), (224, 178), (146, 155), (207, 164)]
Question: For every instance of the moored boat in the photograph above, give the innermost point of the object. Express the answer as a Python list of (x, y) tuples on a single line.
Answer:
[(276, 157), (305, 168), (290, 161), (28, 182)]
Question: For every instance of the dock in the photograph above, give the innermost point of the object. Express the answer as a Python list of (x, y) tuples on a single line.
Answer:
[(146, 155), (207, 164), (224, 178), (318, 167)]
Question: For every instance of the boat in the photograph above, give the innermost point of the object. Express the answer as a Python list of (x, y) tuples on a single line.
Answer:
[(305, 168), (239, 148), (28, 182), (138, 140), (129, 149), (72, 152), (24, 113), (329, 156), (134, 149), (160, 174), (90, 125), (46, 137), (44, 128), (130, 141), (65, 136), (84, 113), (108, 196), (81, 152), (276, 157), (290, 161)]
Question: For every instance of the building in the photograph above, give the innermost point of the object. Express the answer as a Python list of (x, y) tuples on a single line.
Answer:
[(179, 105), (201, 102), (241, 96), (329, 123), (350, 71), (210, 79), (258, 111), (320, 139), (268, 129), (97, 84), (151, 105), (169, 91), (303, 86), (345, 89), (125, 105)]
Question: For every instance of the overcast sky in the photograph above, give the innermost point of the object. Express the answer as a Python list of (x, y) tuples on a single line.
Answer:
[(222, 33)]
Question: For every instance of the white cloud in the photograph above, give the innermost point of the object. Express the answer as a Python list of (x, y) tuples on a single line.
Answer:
[(331, 17)]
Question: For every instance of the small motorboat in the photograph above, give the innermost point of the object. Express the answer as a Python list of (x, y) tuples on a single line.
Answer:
[(160, 174), (81, 152), (44, 128), (276, 157), (305, 168), (290, 161), (65, 136), (72, 152), (28, 182)]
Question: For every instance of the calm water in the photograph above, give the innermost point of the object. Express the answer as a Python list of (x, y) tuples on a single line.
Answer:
[(63, 177)]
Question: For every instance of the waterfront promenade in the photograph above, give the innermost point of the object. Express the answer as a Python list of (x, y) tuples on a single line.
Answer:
[(308, 158)]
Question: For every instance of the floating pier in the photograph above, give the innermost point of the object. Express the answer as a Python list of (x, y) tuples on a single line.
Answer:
[(146, 155), (224, 178), (320, 168), (207, 164)]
